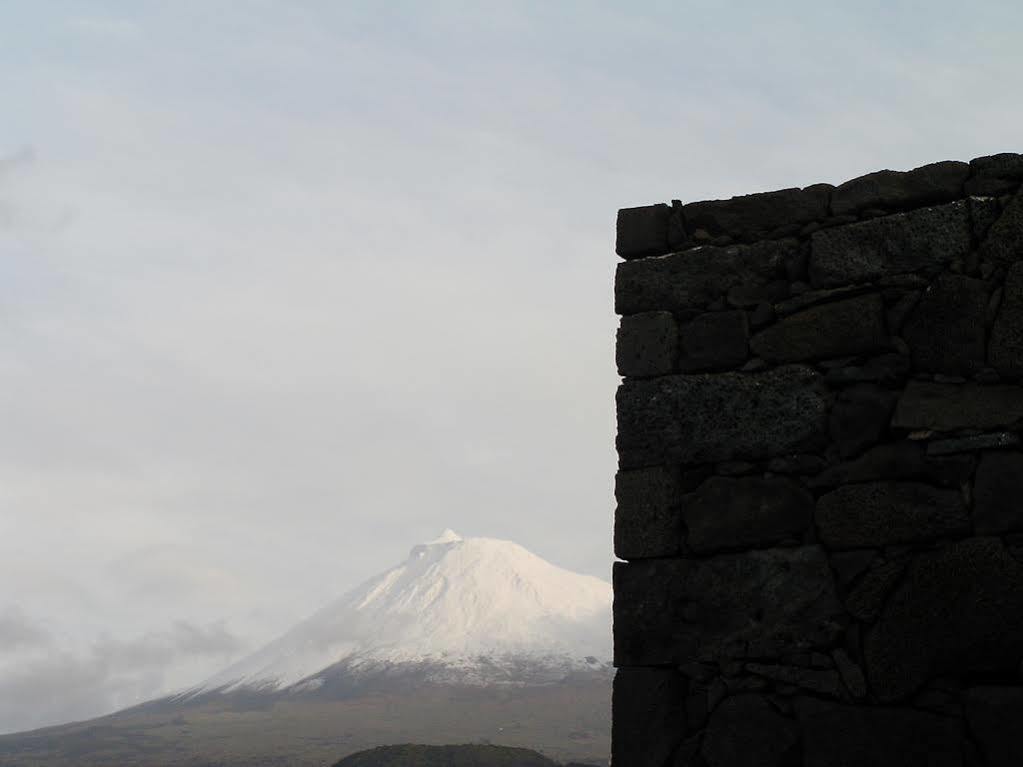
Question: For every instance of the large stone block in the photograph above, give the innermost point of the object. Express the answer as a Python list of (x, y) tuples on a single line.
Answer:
[(1004, 243), (1005, 350), (998, 493), (923, 240), (743, 512), (642, 231), (873, 514), (958, 609), (838, 735), (946, 407), (714, 341), (837, 329), (995, 174), (692, 279), (754, 216), (758, 604), (747, 731), (647, 344), (904, 459), (889, 189), (648, 719), (995, 714), (860, 416), (720, 417), (946, 331), (647, 519)]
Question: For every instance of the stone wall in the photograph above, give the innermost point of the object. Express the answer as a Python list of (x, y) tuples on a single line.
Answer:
[(820, 485)]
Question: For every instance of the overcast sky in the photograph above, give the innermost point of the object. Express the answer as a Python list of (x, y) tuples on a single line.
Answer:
[(288, 287)]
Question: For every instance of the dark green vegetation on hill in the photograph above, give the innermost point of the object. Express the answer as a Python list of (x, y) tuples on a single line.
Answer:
[(408, 755)]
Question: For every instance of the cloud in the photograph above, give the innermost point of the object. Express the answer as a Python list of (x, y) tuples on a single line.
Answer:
[(18, 631)]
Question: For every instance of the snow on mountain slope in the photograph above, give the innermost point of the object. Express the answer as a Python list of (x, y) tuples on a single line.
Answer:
[(459, 604)]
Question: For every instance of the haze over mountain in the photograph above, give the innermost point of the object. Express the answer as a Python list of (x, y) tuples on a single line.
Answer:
[(466, 640)]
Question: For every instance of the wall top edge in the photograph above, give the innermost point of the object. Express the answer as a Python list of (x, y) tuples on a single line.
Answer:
[(654, 230)]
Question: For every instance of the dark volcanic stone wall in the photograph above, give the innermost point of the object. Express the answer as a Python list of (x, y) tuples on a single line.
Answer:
[(820, 485)]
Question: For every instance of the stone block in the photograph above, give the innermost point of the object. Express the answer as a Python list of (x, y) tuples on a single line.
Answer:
[(642, 231), (837, 329), (923, 240), (889, 369), (998, 493), (947, 407), (714, 341), (874, 514), (865, 600), (904, 459), (1004, 243), (747, 731), (945, 331), (957, 610), (648, 716), (995, 174), (894, 190), (758, 604), (994, 714), (720, 417), (728, 513), (692, 279), (975, 442), (839, 735), (860, 416), (823, 681), (755, 216), (647, 344), (647, 518), (852, 675), (1005, 350)]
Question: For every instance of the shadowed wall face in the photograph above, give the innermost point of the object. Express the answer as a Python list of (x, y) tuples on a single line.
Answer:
[(820, 485)]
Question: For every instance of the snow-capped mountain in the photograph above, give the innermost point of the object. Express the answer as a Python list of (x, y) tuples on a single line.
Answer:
[(465, 610)]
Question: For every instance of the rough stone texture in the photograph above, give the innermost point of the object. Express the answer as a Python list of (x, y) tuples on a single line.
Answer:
[(925, 239), (837, 735), (642, 231), (860, 417), (754, 216), (946, 407), (976, 442), (825, 682), (995, 174), (865, 600), (747, 731), (945, 331), (888, 512), (758, 604), (647, 518), (745, 512), (707, 417), (998, 493), (714, 341), (1003, 244), (886, 369), (692, 279), (904, 459), (852, 675), (837, 329), (937, 182), (1005, 350), (647, 344), (648, 716), (995, 714), (957, 609)]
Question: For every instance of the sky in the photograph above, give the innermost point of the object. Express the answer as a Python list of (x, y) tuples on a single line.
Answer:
[(287, 287)]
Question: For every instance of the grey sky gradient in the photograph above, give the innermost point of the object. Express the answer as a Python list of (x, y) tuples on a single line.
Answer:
[(288, 287)]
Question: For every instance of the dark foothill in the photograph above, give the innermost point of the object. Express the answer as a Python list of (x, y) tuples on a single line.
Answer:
[(647, 519), (745, 512), (714, 341), (647, 344), (871, 514)]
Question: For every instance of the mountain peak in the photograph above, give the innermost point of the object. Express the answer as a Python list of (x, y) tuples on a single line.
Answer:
[(448, 536)]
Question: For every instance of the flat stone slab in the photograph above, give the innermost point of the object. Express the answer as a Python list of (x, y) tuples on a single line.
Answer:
[(946, 407), (691, 279), (874, 514), (976, 442), (838, 735), (995, 714), (923, 240), (837, 329), (758, 604), (729, 513), (721, 417), (956, 610)]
